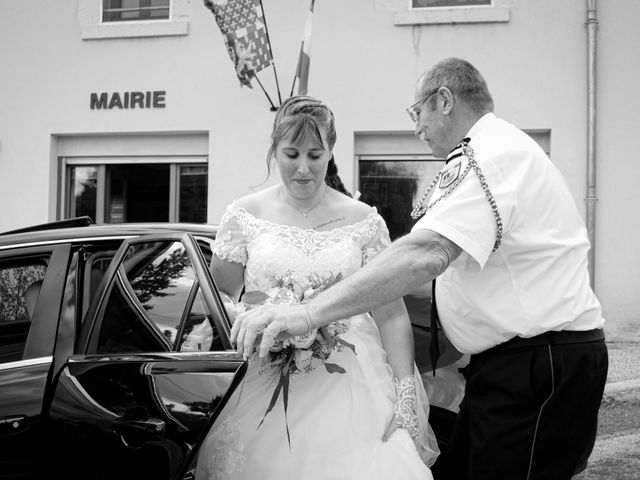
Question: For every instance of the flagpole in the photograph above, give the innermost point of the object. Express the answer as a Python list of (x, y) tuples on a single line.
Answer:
[(293, 85), (273, 107), (273, 63)]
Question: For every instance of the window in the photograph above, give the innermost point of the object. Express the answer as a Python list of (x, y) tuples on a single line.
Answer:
[(20, 283), (137, 192), (192, 188), (101, 19), (430, 12), (158, 305), (393, 186), (83, 191), (132, 177), (134, 10), (449, 3), (96, 265)]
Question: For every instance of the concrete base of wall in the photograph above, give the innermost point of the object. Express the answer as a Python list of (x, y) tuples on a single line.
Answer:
[(620, 331)]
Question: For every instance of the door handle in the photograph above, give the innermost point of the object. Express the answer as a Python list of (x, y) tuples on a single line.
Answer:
[(13, 424), (134, 432)]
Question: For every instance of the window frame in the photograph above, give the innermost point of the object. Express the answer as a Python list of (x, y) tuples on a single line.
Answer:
[(498, 12), (490, 5), (67, 205), (40, 341), (93, 28), (92, 327), (21, 324)]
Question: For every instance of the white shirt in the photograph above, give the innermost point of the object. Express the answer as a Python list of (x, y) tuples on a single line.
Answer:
[(538, 279)]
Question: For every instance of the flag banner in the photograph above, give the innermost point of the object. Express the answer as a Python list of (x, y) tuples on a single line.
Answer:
[(245, 34), (304, 60)]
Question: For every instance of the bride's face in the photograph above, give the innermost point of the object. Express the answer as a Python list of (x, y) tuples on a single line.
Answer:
[(303, 164)]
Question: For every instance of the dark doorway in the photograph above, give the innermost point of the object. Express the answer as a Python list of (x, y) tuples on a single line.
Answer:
[(138, 193)]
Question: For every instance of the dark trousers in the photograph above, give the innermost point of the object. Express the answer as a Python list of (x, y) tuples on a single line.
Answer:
[(530, 410)]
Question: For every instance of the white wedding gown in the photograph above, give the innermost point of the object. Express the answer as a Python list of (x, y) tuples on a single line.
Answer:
[(335, 420)]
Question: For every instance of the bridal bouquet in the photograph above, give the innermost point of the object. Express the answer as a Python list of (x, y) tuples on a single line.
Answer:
[(299, 354)]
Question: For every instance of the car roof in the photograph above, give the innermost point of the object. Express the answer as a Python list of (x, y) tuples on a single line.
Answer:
[(42, 234)]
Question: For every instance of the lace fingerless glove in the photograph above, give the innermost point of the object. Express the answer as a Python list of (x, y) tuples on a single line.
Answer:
[(405, 410)]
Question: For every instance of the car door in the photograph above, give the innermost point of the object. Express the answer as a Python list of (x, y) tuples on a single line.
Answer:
[(153, 366), (31, 280)]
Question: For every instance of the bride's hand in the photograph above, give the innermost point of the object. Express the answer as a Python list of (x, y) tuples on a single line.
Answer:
[(272, 322)]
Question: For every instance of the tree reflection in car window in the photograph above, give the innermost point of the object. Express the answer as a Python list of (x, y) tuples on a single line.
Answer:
[(162, 279), (160, 305)]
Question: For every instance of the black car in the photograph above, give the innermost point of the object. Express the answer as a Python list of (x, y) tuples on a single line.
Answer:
[(98, 378), (115, 357)]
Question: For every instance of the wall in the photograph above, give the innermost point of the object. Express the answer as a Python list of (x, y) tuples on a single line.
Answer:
[(618, 221)]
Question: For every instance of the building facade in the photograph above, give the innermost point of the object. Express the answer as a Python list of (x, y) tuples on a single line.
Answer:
[(137, 115)]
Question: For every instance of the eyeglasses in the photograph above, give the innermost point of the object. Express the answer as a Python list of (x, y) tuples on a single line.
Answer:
[(413, 111)]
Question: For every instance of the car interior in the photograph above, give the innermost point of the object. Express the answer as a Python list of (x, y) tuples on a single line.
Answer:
[(19, 290)]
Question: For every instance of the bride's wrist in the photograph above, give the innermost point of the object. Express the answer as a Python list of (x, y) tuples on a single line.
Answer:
[(308, 319), (405, 409)]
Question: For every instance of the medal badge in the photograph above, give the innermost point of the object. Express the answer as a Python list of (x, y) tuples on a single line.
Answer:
[(449, 176)]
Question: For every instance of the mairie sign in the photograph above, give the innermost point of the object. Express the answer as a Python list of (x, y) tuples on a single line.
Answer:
[(128, 100)]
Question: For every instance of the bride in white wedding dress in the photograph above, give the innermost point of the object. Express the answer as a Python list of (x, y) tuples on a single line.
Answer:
[(344, 402)]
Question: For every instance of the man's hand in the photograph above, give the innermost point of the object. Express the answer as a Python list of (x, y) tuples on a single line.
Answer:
[(273, 322)]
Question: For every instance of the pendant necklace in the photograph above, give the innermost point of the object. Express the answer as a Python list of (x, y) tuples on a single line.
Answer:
[(306, 212)]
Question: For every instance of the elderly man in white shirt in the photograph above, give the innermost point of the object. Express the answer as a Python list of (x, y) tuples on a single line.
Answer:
[(502, 234)]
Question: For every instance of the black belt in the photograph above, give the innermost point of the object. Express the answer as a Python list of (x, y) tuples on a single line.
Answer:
[(563, 337)]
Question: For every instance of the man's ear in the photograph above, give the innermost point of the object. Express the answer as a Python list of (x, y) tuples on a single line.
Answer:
[(448, 100)]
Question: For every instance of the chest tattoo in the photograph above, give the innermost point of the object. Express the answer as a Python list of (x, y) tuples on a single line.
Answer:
[(329, 222)]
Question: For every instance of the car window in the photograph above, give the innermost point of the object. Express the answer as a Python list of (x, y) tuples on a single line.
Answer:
[(200, 333), (95, 267), (206, 247), (20, 283), (156, 304)]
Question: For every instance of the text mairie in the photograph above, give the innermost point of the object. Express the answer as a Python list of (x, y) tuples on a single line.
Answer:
[(130, 100)]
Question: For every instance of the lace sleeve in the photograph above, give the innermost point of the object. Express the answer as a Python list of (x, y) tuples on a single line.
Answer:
[(231, 242), (379, 240)]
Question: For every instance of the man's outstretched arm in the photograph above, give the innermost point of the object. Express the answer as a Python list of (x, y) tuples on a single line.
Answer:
[(410, 261)]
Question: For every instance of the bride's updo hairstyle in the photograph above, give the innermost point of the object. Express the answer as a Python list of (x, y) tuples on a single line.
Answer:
[(304, 116)]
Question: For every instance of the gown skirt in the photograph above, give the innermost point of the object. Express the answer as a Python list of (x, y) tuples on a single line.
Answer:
[(335, 421)]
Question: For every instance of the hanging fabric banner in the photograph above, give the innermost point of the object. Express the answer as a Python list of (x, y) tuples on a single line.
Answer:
[(304, 60), (245, 34)]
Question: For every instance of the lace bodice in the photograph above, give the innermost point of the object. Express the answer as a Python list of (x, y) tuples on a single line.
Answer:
[(290, 263)]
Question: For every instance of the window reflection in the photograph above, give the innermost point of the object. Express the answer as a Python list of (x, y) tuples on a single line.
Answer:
[(193, 194), (84, 186), (159, 306), (162, 279), (449, 3), (394, 187)]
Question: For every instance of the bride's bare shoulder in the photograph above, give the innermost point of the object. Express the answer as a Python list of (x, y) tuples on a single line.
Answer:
[(354, 210), (255, 202)]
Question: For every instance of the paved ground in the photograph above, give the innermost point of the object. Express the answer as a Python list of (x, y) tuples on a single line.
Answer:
[(624, 361)]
